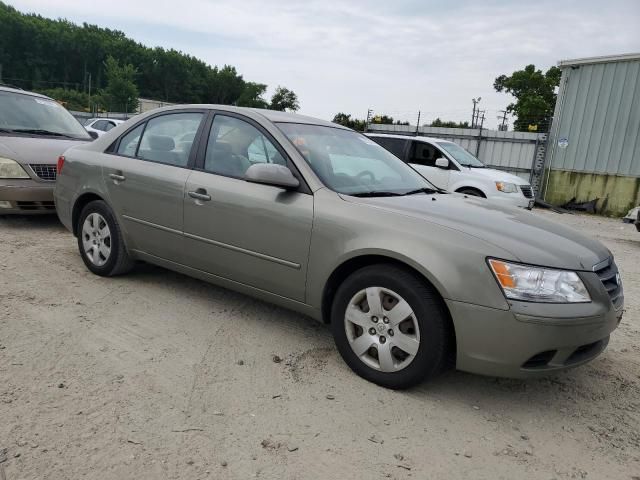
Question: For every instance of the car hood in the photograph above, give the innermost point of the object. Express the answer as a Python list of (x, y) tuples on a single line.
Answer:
[(29, 149), (499, 176), (529, 238)]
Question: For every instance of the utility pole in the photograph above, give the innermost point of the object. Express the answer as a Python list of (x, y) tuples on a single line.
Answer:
[(89, 106), (480, 131), (418, 124), (503, 125), (0, 73), (473, 115), (366, 125)]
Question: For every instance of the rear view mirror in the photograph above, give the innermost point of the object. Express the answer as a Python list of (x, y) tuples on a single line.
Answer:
[(93, 135), (442, 163), (271, 174)]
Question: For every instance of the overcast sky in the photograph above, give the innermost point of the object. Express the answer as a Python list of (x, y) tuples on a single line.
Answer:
[(395, 57)]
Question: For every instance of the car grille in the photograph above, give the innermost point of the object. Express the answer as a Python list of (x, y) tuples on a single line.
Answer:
[(44, 171), (527, 191), (610, 278)]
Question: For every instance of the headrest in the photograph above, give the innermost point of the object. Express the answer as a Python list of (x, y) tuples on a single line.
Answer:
[(222, 148), (161, 142)]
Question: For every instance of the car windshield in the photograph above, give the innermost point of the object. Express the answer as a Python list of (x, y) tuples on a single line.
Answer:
[(21, 113), (463, 157), (350, 163)]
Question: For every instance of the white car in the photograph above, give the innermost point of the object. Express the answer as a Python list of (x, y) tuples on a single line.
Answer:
[(101, 125), (450, 167)]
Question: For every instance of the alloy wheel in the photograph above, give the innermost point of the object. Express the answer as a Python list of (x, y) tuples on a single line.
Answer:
[(382, 329), (96, 239)]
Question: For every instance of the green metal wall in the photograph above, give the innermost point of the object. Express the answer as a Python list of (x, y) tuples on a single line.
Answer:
[(598, 112), (594, 144)]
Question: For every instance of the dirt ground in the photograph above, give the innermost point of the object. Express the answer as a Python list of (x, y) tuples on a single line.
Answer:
[(155, 375)]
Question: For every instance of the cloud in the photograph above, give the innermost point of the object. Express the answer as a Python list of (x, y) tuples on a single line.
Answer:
[(395, 57)]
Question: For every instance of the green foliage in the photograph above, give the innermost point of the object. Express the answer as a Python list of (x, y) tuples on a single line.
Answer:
[(535, 94), (121, 93), (440, 123), (39, 53), (252, 96), (71, 99), (284, 99), (346, 120)]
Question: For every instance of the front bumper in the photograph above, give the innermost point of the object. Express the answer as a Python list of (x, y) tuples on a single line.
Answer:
[(512, 199), (530, 339), (26, 197)]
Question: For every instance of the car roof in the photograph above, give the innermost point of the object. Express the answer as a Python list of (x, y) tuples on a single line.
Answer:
[(415, 137), (6, 88), (274, 116), (121, 120)]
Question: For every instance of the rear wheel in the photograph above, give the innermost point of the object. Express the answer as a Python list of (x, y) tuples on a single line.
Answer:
[(100, 241), (390, 326)]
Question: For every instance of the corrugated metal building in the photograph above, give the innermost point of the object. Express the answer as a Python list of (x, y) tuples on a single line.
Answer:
[(594, 145)]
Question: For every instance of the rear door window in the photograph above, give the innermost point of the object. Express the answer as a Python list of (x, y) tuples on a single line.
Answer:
[(169, 138), (394, 145)]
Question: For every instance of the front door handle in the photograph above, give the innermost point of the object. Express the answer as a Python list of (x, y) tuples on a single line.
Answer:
[(117, 178), (200, 194)]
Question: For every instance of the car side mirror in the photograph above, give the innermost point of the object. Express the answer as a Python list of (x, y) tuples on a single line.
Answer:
[(271, 174), (93, 135), (442, 163)]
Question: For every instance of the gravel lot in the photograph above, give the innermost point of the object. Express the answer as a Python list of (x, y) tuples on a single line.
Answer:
[(155, 375)]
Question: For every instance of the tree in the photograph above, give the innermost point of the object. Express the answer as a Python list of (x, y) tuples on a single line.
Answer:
[(346, 120), (61, 54), (535, 94), (440, 123), (284, 99), (121, 92), (70, 99), (252, 94)]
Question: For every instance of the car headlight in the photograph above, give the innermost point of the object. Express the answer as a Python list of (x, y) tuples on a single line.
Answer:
[(506, 187), (538, 284), (11, 169)]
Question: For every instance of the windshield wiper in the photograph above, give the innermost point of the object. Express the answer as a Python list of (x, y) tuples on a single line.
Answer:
[(425, 190), (39, 131), (376, 194)]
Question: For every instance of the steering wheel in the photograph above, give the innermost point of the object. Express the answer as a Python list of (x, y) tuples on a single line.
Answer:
[(366, 173)]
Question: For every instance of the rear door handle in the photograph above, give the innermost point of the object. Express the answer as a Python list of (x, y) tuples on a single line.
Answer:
[(200, 194), (117, 178)]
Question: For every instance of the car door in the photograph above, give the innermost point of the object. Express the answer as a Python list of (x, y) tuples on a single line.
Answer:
[(254, 234), (145, 177), (422, 157)]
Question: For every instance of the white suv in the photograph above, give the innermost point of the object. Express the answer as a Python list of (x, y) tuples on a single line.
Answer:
[(450, 167), (101, 125)]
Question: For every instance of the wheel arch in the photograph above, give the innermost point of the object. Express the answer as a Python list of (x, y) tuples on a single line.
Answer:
[(352, 264), (469, 187), (78, 205)]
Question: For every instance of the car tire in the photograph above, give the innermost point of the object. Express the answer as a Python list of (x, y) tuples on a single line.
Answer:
[(104, 254), (428, 323), (472, 192)]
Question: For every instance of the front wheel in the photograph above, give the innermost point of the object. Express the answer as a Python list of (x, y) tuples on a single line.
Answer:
[(100, 241), (390, 326)]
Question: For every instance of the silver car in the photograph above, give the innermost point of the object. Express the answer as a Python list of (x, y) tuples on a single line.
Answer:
[(34, 131), (320, 219)]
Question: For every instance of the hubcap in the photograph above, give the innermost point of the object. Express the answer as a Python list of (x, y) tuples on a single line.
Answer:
[(388, 345), (96, 239)]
